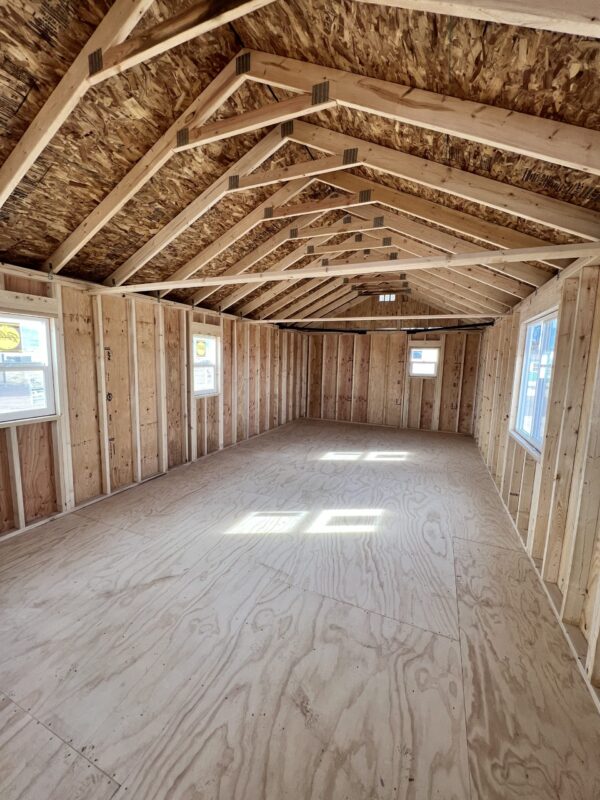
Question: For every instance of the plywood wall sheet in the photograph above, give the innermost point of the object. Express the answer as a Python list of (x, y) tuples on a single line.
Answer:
[(345, 372), (394, 383), (242, 331), (201, 426), (82, 389), (361, 375), (377, 388), (282, 376), (469, 383), (18, 283), (174, 384), (228, 368), (329, 376), (315, 370), (7, 521), (253, 379), (428, 395), (118, 388), (145, 316), (213, 432), (37, 470), (264, 378), (274, 379), (454, 351)]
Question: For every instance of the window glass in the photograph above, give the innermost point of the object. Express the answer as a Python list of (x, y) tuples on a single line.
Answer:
[(205, 350), (536, 373), (387, 298), (26, 378), (423, 361)]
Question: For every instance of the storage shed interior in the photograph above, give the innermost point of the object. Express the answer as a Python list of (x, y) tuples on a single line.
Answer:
[(299, 400)]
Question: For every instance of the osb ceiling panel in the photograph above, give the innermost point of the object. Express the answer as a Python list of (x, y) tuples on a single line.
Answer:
[(531, 71)]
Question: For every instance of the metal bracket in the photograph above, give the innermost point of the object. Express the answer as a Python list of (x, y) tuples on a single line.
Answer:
[(320, 93), (347, 219), (387, 241), (378, 222), (325, 262), (268, 212), (95, 62), (293, 233), (349, 156), (310, 249), (358, 237), (364, 196), (393, 256), (234, 182), (183, 137), (287, 128), (242, 64)]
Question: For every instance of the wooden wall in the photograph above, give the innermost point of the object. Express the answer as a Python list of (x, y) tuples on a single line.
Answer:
[(128, 412), (553, 498), (364, 378)]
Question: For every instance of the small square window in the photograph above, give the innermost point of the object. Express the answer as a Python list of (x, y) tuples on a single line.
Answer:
[(205, 355), (387, 298), (423, 361)]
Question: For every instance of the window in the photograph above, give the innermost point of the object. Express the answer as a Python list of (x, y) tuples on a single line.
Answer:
[(387, 298), (423, 361), (206, 358), (26, 371), (536, 372)]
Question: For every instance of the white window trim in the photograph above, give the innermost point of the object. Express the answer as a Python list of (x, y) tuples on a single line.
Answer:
[(523, 440), (52, 411), (205, 329), (422, 346)]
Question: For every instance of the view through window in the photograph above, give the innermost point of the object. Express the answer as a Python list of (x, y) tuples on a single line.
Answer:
[(423, 361), (536, 373), (205, 351), (26, 376)]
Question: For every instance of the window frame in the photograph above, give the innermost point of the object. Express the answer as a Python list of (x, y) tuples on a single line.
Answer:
[(215, 332), (424, 346), (532, 446), (51, 371), (387, 297)]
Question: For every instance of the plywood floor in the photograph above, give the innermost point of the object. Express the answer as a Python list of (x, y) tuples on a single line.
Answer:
[(328, 611)]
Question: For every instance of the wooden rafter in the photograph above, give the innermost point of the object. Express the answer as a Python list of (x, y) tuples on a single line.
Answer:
[(579, 18), (193, 22), (555, 214), (401, 265), (120, 20), (548, 140), (203, 107), (199, 206)]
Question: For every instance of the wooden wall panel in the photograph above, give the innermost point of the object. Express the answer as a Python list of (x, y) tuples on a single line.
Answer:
[(315, 375), (174, 385), (329, 385), (213, 433), (363, 378), (342, 398), (228, 373), (38, 476), (241, 381), (274, 382), (145, 315), (7, 516), (117, 370), (264, 378), (553, 496), (82, 391), (253, 380), (360, 382)]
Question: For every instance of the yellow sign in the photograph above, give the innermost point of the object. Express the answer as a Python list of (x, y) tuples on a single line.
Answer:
[(200, 348), (10, 337)]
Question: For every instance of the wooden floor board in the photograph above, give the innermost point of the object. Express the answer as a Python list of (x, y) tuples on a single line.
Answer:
[(306, 615)]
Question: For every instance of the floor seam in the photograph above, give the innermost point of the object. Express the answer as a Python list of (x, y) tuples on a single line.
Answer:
[(60, 738), (488, 544), (285, 579)]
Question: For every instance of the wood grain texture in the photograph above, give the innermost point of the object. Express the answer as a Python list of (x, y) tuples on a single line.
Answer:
[(51, 770), (6, 501), (532, 728), (37, 470), (182, 634)]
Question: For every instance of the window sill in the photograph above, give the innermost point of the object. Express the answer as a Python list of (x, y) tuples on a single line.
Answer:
[(533, 452), (204, 396), (11, 423)]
